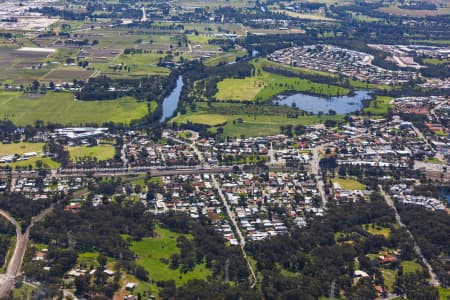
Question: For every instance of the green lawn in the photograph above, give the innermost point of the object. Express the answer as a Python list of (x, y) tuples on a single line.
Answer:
[(46, 162), (63, 109), (150, 251), (410, 266), (434, 61), (20, 148), (444, 293), (101, 152), (378, 230), (253, 125), (265, 85), (349, 184), (379, 106), (389, 278)]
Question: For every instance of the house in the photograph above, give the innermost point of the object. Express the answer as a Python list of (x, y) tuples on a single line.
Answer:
[(130, 286)]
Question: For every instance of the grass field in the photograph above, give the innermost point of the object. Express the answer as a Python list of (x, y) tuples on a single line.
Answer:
[(379, 106), (63, 109), (444, 293), (261, 62), (46, 162), (434, 61), (264, 85), (101, 152), (389, 278), (378, 230), (349, 184), (410, 266), (257, 120), (150, 251), (20, 148)]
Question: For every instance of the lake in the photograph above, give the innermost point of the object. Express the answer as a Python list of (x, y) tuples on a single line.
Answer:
[(315, 104), (170, 103)]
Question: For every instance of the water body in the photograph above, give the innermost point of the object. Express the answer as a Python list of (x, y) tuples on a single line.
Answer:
[(170, 103), (315, 104)]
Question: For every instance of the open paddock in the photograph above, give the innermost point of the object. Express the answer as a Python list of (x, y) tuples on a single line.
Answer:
[(67, 74), (62, 108)]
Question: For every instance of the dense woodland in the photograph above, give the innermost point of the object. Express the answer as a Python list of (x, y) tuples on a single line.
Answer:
[(304, 265), (22, 208), (432, 231)]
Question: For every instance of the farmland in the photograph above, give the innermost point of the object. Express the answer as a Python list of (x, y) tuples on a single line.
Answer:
[(62, 108)]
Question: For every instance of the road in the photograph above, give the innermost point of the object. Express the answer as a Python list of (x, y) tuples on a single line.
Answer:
[(315, 171), (228, 209), (434, 280), (14, 264), (7, 279)]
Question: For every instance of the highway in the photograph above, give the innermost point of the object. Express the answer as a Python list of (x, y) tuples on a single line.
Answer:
[(434, 280)]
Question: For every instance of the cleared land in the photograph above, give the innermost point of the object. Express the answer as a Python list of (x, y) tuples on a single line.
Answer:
[(349, 184), (67, 74), (150, 251), (266, 85), (248, 120), (20, 148), (378, 230), (410, 266), (379, 106), (63, 109), (101, 152), (46, 162)]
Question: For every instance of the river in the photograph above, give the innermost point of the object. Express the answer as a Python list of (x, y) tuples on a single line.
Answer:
[(170, 103), (315, 104)]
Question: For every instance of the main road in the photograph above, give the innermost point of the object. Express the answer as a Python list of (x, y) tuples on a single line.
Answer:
[(15, 263), (434, 280)]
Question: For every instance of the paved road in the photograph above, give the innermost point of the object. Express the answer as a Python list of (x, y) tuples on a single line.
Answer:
[(230, 212), (13, 269), (434, 279), (315, 171)]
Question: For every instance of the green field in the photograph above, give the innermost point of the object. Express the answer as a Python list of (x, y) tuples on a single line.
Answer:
[(46, 163), (379, 106), (261, 62), (257, 120), (444, 293), (410, 266), (63, 109), (264, 85), (378, 230), (20, 148), (434, 61), (101, 152), (349, 184), (150, 251), (389, 278)]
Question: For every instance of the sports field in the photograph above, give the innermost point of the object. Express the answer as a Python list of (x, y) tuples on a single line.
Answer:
[(62, 108), (101, 152), (20, 148)]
